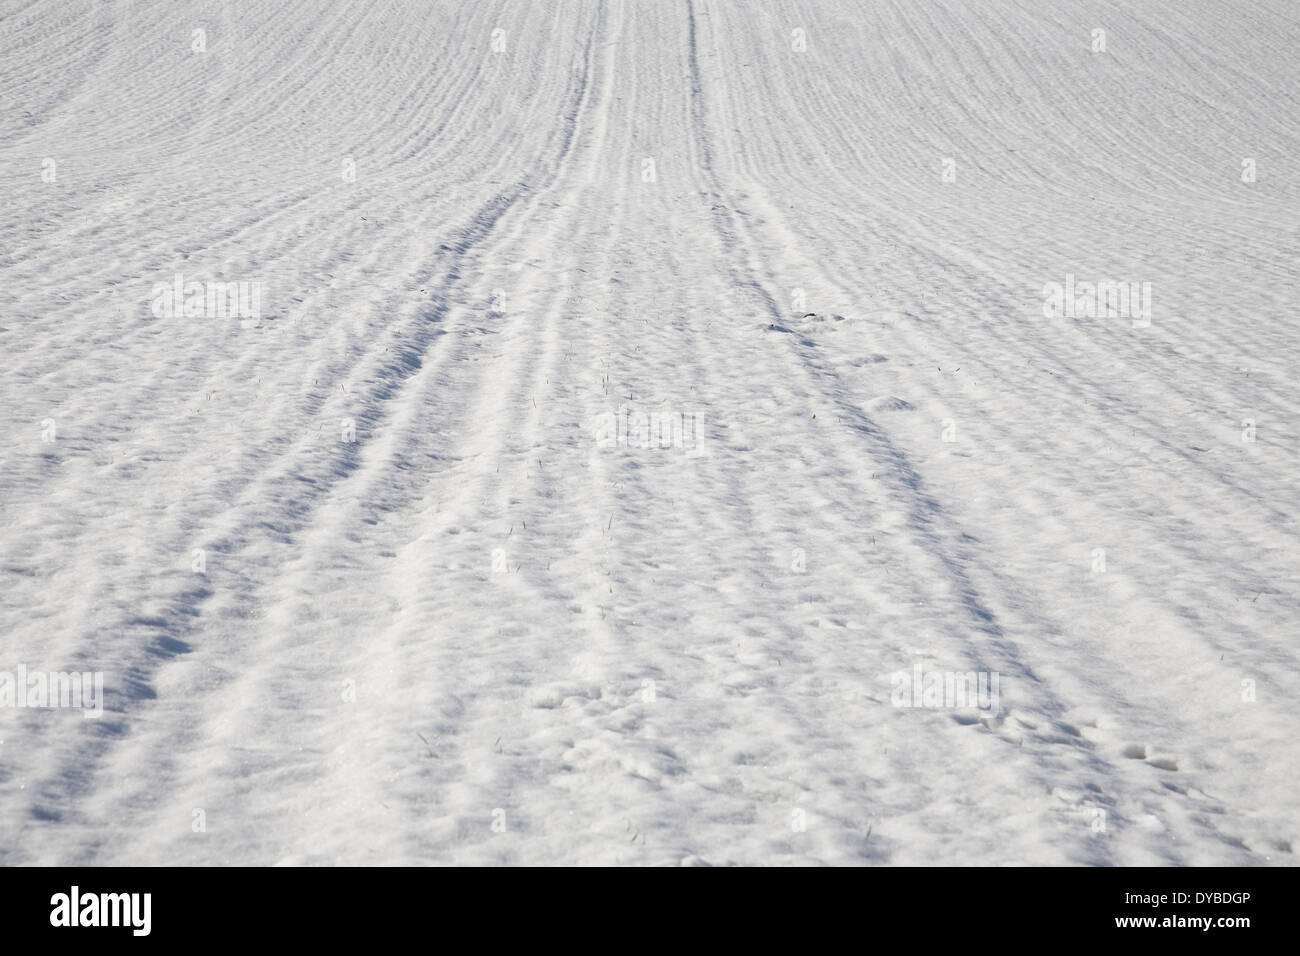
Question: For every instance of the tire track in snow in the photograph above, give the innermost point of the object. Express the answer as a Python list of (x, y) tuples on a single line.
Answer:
[(831, 256), (263, 490), (405, 385)]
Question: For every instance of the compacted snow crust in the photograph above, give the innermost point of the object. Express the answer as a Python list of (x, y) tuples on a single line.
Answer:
[(649, 432)]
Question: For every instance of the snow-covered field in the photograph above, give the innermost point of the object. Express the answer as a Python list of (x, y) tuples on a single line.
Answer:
[(630, 402)]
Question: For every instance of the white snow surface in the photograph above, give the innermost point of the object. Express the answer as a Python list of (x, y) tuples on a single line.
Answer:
[(477, 630)]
